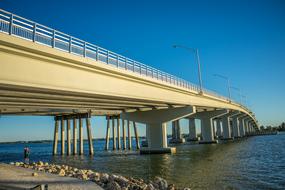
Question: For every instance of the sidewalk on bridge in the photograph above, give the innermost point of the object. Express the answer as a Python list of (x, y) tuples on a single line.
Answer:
[(17, 178)]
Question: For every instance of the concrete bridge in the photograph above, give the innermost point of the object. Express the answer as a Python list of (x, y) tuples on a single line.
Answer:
[(46, 72)]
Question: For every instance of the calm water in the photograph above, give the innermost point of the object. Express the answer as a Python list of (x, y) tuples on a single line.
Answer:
[(252, 163)]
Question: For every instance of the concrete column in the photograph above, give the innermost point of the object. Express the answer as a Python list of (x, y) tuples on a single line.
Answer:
[(129, 135), (173, 130), (118, 134), (114, 134), (124, 135), (80, 136), (219, 128), (136, 135), (241, 127), (246, 127), (157, 139), (107, 133), (226, 128), (192, 130), (89, 134), (176, 133), (62, 137), (236, 132), (68, 137), (74, 137), (55, 138), (207, 131)]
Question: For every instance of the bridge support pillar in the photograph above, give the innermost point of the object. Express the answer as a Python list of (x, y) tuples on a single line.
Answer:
[(118, 133), (236, 132), (155, 121), (157, 139), (192, 130), (136, 135), (226, 128), (219, 127), (176, 133), (62, 137), (241, 127), (80, 136), (107, 133), (68, 137), (129, 136), (74, 137), (89, 134), (55, 139), (114, 134), (124, 135)]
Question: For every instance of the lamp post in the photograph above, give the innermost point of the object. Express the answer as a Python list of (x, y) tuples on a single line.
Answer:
[(195, 50), (235, 88), (228, 81)]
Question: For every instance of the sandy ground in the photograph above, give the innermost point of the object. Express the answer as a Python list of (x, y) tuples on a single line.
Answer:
[(17, 178)]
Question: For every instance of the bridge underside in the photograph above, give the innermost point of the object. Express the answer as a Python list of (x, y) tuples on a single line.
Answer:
[(19, 100)]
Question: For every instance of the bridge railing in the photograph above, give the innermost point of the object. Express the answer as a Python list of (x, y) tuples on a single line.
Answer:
[(23, 28)]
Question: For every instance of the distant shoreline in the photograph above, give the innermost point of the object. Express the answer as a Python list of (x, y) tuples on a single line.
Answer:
[(50, 141)]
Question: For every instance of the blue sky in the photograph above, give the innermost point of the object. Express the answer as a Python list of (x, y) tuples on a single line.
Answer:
[(244, 40)]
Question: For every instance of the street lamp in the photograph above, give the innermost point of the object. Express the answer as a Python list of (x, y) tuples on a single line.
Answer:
[(235, 88), (195, 50), (228, 81)]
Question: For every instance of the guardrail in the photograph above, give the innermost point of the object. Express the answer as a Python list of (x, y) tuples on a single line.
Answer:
[(23, 28)]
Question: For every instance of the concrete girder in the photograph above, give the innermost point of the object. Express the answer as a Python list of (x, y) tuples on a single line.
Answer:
[(159, 116)]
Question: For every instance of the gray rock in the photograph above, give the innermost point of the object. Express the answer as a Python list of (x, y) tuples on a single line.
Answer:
[(162, 183), (104, 178), (112, 185)]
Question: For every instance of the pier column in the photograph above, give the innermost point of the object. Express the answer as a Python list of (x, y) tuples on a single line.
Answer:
[(241, 127), (55, 138), (136, 135), (157, 139), (68, 137), (118, 134), (176, 133), (219, 127), (236, 132), (129, 135), (107, 133), (114, 134), (62, 137), (74, 137), (192, 130), (89, 134), (80, 136), (226, 128), (124, 135)]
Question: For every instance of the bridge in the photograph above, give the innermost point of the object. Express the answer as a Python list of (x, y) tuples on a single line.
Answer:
[(48, 73)]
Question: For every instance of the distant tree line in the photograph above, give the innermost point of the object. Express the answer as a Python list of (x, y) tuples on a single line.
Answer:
[(281, 127)]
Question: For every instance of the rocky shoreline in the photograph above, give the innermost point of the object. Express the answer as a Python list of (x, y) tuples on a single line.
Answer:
[(106, 181)]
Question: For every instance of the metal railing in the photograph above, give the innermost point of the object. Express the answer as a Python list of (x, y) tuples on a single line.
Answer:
[(23, 28)]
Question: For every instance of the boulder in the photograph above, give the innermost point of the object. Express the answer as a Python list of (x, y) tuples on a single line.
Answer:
[(112, 185), (61, 172), (161, 183), (35, 174), (104, 178)]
